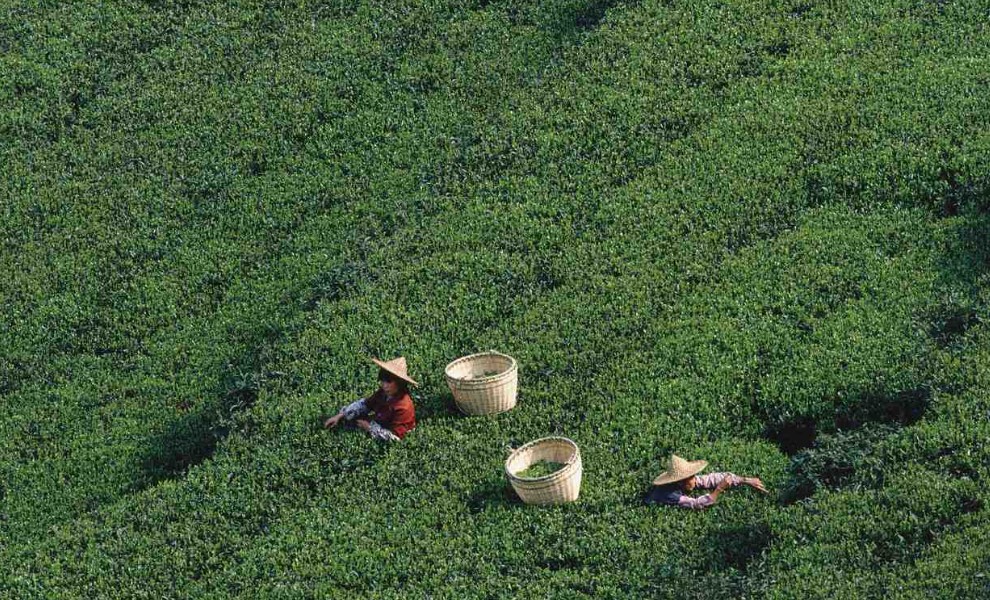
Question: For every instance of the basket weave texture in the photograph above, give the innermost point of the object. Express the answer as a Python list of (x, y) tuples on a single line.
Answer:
[(477, 393), (559, 487)]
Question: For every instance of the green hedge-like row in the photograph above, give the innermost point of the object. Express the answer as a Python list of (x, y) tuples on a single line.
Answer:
[(751, 231)]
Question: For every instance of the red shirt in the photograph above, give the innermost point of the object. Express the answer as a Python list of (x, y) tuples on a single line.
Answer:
[(398, 415)]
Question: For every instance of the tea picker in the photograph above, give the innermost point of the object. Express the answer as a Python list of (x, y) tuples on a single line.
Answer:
[(681, 477), (391, 404)]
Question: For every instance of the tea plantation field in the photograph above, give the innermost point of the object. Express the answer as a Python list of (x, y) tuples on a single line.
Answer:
[(751, 231)]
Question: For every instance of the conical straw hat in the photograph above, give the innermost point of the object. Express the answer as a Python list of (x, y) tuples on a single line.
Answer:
[(680, 469), (397, 367)]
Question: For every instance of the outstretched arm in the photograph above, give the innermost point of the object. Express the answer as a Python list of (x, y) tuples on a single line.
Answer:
[(350, 412), (377, 430), (708, 499), (755, 483), (712, 480)]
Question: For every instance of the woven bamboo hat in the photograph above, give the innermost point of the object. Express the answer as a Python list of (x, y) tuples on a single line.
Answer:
[(679, 470), (397, 367)]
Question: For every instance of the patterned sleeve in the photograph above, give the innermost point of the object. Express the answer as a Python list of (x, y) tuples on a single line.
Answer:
[(382, 434), (695, 503), (355, 409), (711, 480)]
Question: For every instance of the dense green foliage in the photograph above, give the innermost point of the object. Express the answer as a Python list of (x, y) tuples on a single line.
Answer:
[(540, 468), (751, 231)]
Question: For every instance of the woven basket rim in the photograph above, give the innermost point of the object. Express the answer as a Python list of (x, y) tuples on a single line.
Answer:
[(561, 473), (513, 365), (534, 483)]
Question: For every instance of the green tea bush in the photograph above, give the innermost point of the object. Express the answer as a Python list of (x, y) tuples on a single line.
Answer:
[(835, 459), (751, 232)]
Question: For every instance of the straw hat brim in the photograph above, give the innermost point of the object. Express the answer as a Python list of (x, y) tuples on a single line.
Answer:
[(391, 369), (689, 469)]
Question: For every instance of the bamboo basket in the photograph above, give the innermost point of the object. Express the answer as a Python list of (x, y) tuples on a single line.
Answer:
[(478, 394), (559, 487)]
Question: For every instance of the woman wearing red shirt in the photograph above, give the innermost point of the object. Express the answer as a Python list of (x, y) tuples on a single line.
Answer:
[(394, 413)]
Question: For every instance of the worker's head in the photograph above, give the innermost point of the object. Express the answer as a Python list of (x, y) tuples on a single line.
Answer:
[(391, 384), (680, 473), (393, 377)]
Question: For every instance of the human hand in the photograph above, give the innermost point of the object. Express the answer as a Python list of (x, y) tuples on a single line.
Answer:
[(363, 424), (756, 484), (332, 421)]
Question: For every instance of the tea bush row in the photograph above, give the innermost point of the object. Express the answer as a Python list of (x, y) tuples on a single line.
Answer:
[(730, 230)]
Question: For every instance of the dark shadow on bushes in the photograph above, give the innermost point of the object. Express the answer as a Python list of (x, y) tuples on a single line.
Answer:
[(590, 15), (950, 323), (799, 10), (184, 444), (492, 495), (792, 435), (194, 437), (581, 17), (834, 460), (739, 546), (449, 406), (13, 374), (968, 258), (963, 267), (902, 408), (567, 563), (340, 281), (961, 193)]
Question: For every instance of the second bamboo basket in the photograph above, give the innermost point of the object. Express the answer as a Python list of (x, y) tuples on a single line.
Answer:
[(558, 487)]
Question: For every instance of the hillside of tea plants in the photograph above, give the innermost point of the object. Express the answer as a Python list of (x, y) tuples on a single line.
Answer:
[(751, 231)]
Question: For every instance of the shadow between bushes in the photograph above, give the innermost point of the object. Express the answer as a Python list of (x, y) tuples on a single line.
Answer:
[(447, 406), (792, 435), (194, 437), (589, 16), (738, 546), (901, 408), (834, 460), (962, 268), (827, 453), (494, 494)]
